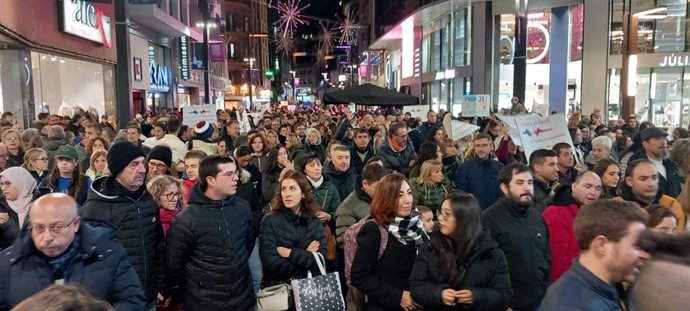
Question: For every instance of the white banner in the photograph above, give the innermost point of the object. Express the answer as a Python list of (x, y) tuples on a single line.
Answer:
[(417, 111), (191, 115), (534, 132), (457, 129), (476, 105)]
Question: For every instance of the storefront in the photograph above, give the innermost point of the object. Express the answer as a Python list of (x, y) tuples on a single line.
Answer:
[(152, 78), (59, 61)]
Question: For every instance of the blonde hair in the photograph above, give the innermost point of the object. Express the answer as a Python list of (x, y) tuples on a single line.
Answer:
[(31, 155), (159, 184), (63, 297), (427, 168), (314, 131), (94, 157)]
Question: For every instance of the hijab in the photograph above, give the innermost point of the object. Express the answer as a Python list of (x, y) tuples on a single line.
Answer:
[(21, 179)]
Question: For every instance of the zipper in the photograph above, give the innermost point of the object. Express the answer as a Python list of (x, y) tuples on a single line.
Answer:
[(143, 248), (227, 228)]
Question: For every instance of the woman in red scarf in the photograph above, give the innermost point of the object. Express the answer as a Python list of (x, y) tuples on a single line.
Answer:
[(167, 191)]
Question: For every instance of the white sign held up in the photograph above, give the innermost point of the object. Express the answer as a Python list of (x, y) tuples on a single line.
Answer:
[(191, 115), (541, 132), (476, 105), (457, 129)]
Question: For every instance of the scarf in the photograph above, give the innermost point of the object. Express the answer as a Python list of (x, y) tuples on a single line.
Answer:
[(21, 179), (408, 230), (316, 184), (58, 265), (396, 147)]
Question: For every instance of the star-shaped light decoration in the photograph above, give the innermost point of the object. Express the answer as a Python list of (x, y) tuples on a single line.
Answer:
[(290, 16), (284, 44), (347, 27), (326, 42)]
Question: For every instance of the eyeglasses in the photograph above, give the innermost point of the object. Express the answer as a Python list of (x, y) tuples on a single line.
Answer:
[(230, 174), (54, 228), (172, 195), (158, 166), (44, 159)]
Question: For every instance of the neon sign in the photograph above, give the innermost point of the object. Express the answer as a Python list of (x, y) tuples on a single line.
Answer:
[(84, 20)]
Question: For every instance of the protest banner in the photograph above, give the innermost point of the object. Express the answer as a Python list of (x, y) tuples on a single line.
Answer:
[(191, 115), (417, 111), (541, 132), (476, 105), (457, 129)]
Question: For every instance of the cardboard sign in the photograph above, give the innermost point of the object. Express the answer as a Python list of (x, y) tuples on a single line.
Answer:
[(533, 132), (417, 111), (476, 105), (191, 115), (457, 129)]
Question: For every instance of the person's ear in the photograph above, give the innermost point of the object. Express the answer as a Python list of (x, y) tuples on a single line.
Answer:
[(504, 188), (600, 246), (628, 181)]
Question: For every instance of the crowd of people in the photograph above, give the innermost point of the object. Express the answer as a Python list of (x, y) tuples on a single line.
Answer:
[(160, 215)]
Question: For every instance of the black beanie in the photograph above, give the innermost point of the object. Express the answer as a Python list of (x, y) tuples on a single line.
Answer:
[(161, 153), (120, 154)]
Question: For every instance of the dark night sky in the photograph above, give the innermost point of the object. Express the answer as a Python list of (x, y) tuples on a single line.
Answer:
[(320, 8)]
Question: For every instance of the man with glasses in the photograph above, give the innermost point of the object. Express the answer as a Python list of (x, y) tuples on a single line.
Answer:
[(159, 160), (59, 247), (398, 153), (209, 243), (122, 200), (478, 175)]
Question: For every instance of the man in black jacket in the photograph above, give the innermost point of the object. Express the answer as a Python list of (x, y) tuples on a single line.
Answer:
[(209, 243), (57, 247), (655, 150), (339, 172), (361, 151), (122, 200), (522, 235)]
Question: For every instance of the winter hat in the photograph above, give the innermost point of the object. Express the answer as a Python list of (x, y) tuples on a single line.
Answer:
[(203, 130), (120, 154), (161, 153)]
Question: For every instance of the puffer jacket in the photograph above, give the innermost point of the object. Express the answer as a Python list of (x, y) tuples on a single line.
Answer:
[(560, 218), (486, 274), (353, 209), (100, 266), (207, 253), (344, 182), (479, 177), (397, 160), (137, 227), (10, 229), (327, 197), (284, 228), (428, 195), (260, 162), (318, 149)]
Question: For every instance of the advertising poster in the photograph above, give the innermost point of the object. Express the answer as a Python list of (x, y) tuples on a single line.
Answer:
[(191, 115), (476, 105)]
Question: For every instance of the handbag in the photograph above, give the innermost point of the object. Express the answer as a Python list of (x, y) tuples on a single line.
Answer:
[(273, 298), (319, 293)]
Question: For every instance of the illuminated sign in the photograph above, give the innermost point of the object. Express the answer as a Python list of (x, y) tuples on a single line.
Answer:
[(408, 47), (184, 58), (159, 77), (84, 20), (448, 74), (674, 60)]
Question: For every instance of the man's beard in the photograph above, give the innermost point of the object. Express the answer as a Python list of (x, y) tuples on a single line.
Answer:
[(516, 198)]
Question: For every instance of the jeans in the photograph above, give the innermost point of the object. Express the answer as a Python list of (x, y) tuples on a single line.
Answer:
[(255, 267)]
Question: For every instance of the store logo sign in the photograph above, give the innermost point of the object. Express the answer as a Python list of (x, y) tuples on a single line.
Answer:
[(448, 74), (184, 58), (83, 19), (674, 60), (159, 77)]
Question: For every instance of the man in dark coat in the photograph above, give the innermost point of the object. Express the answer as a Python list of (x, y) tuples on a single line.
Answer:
[(361, 151), (478, 175), (397, 151), (430, 125), (338, 171), (521, 233), (607, 232), (59, 247), (209, 266), (122, 200), (655, 150)]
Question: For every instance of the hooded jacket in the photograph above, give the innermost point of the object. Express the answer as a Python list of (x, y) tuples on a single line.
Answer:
[(344, 182), (522, 235), (560, 218), (79, 190), (207, 253), (479, 177), (100, 266), (137, 226), (397, 160), (661, 199), (485, 273), (353, 209)]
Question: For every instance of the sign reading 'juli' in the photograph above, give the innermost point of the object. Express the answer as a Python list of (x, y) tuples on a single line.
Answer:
[(83, 19)]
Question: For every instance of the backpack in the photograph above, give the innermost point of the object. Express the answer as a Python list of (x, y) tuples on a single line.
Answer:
[(350, 243)]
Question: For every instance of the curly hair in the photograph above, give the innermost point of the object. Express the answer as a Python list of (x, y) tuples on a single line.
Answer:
[(31, 138), (309, 205), (158, 185)]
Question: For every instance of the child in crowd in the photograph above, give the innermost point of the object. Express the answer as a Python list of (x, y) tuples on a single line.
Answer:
[(65, 176), (427, 217), (191, 167)]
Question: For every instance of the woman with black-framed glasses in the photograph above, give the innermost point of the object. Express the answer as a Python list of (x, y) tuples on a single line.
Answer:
[(36, 163), (18, 191), (167, 192)]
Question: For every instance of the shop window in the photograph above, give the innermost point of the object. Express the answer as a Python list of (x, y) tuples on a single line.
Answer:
[(436, 51), (229, 21), (445, 46), (426, 54), (462, 37)]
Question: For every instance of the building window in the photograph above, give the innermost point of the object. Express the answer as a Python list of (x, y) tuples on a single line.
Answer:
[(229, 21)]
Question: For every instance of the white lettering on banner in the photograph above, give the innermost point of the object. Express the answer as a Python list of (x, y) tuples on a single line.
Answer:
[(84, 20), (184, 58), (159, 77), (191, 115), (675, 61), (476, 105), (534, 132)]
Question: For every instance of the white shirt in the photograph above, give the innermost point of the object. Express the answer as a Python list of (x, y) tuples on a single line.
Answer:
[(659, 166), (178, 148)]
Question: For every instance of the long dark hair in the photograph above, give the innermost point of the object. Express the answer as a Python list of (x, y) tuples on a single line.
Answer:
[(272, 160), (453, 250), (309, 205), (427, 151)]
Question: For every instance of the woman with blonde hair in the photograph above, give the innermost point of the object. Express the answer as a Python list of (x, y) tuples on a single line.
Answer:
[(167, 192), (294, 148), (63, 297), (15, 151), (36, 163), (313, 143), (98, 166), (272, 138), (431, 185)]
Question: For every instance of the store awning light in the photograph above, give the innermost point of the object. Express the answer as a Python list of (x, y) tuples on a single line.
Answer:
[(632, 75)]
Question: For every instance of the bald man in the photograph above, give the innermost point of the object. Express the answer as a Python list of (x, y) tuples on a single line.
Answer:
[(59, 247), (560, 217)]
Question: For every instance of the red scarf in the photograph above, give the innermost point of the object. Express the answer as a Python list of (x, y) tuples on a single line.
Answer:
[(396, 147), (167, 217)]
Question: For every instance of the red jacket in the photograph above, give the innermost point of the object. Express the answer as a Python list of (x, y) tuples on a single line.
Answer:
[(560, 218)]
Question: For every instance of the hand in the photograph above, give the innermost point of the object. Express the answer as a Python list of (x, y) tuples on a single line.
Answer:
[(313, 246), (323, 216), (284, 251), (464, 296), (448, 296), (4, 217), (407, 303)]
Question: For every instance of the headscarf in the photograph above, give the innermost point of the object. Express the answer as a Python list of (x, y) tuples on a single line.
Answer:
[(21, 179)]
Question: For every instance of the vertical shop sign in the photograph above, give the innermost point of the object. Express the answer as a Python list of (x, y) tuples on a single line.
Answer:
[(217, 52), (184, 58)]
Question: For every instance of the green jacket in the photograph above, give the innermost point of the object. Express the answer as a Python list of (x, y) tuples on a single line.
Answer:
[(327, 197), (429, 196), (353, 209)]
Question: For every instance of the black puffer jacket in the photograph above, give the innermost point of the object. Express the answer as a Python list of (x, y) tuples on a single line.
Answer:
[(137, 226), (10, 229), (207, 253), (284, 228), (343, 181), (486, 274)]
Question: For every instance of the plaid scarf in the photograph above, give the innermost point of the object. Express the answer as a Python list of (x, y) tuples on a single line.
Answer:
[(408, 230), (58, 265)]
